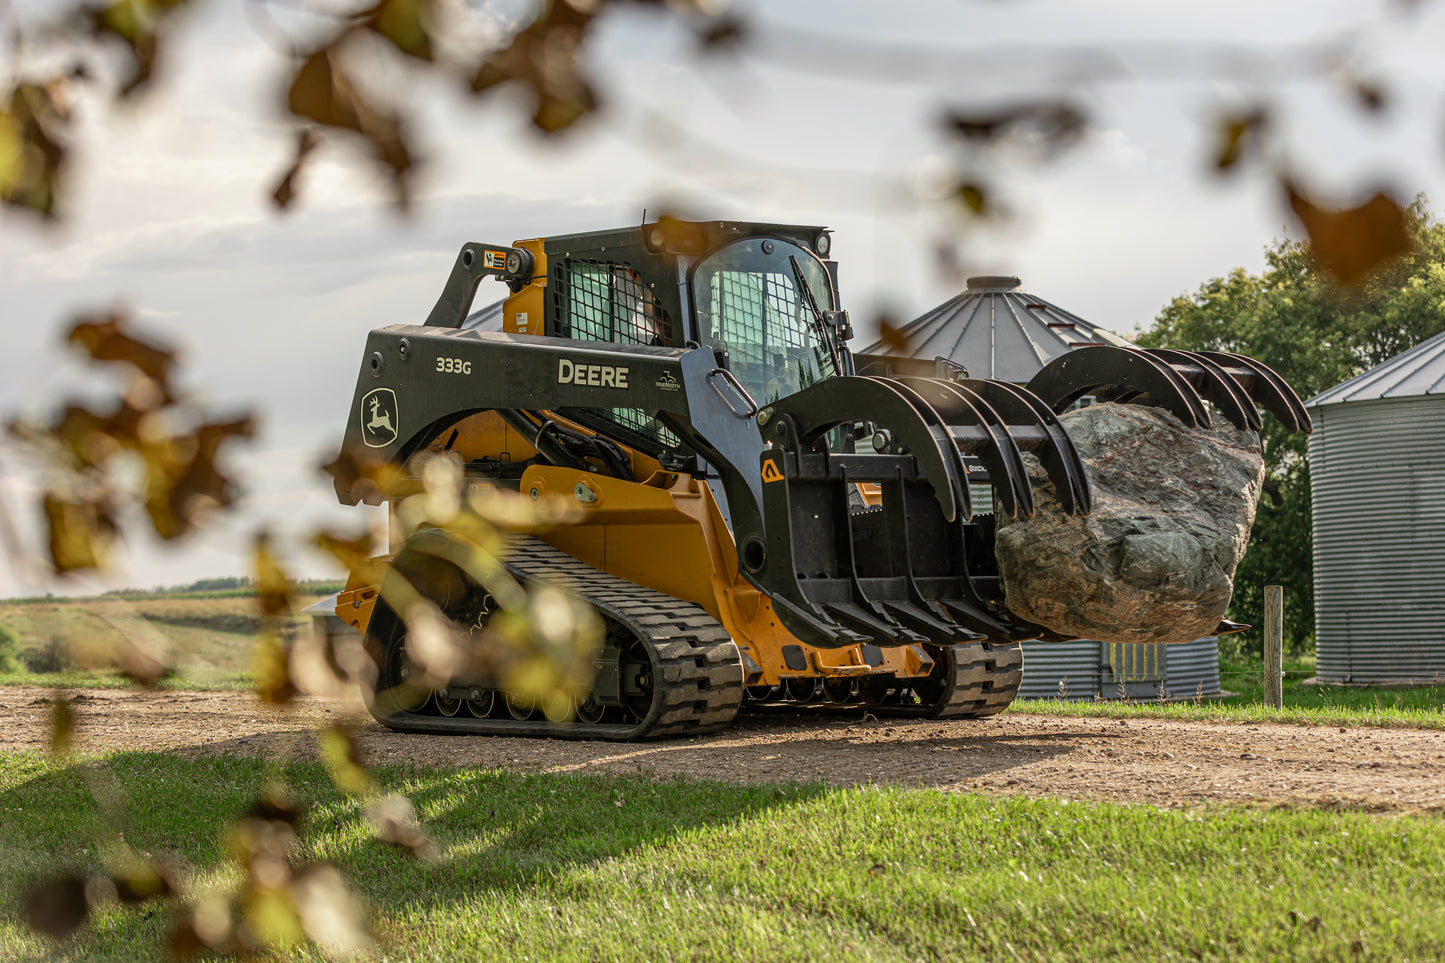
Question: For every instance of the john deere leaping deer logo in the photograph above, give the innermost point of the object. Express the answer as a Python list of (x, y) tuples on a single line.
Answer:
[(378, 417)]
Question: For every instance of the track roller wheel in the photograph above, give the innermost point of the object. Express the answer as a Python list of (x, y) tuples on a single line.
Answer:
[(520, 708), (801, 688), (448, 703), (838, 690), (968, 681), (481, 702), (590, 711), (760, 693)]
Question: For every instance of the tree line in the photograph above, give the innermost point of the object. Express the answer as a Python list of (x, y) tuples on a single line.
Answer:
[(1316, 334)]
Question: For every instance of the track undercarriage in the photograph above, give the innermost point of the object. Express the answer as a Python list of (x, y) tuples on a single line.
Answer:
[(676, 670)]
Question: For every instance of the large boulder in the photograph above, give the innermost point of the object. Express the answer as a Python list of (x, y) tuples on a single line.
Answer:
[(1154, 561)]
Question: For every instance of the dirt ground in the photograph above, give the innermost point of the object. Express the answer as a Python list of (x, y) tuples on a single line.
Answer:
[(1153, 761)]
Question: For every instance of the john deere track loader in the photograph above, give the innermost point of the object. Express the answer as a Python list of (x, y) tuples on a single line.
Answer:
[(688, 388)]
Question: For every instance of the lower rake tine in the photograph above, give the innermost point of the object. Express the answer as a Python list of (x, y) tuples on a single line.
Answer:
[(1214, 385), (1271, 391)]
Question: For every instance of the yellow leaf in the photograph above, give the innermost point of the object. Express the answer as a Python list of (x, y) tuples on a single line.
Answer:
[(270, 666), (338, 754), (62, 726), (1350, 245), (273, 589)]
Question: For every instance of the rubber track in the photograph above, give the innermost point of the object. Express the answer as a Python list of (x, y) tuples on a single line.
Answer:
[(697, 671), (985, 677)]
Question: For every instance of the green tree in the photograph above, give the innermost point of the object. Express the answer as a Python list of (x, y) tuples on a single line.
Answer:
[(1316, 335)]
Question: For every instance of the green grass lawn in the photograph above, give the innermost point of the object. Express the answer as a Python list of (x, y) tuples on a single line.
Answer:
[(538, 867)]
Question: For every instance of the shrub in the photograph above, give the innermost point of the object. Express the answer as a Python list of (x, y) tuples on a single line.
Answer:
[(53, 656), (9, 651)]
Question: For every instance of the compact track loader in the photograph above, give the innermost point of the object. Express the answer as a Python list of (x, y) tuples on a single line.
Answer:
[(688, 387)]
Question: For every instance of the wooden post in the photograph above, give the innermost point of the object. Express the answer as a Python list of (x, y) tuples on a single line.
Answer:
[(1274, 646)]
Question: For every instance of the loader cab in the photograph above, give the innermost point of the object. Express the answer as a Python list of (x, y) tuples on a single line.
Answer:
[(755, 293), (758, 303)]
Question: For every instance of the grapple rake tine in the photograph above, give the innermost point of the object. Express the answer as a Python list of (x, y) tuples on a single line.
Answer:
[(939, 427), (1006, 469), (835, 401), (1056, 451), (1271, 391), (1091, 367), (1215, 384)]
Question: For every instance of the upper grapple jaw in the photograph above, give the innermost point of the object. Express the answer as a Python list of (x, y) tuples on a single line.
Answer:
[(1181, 382)]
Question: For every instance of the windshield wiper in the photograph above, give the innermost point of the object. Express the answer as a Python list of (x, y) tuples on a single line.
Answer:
[(821, 326)]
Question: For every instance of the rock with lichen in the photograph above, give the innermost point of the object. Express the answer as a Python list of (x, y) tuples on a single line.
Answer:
[(1155, 559)]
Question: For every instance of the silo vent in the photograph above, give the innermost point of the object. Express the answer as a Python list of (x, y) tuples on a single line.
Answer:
[(993, 281)]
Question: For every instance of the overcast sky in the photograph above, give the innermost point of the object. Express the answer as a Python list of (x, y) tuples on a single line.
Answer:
[(169, 212)]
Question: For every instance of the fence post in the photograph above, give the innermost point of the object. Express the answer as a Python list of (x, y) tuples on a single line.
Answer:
[(1274, 646)]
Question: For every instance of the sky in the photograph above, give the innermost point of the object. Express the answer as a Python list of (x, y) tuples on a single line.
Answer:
[(830, 115)]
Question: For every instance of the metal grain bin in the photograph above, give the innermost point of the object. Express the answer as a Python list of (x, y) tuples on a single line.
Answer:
[(1377, 464), (1087, 670)]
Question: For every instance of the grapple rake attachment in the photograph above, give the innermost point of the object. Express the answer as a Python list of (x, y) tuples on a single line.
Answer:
[(912, 569), (1181, 382)]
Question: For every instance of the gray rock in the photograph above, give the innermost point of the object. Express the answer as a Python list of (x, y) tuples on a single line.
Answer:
[(1155, 560)]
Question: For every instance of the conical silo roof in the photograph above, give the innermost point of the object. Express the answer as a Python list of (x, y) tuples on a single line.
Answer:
[(997, 331), (1414, 373)]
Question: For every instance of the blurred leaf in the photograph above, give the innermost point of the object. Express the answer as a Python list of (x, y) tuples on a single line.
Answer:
[(271, 918), (894, 339), (56, 908), (62, 726), (285, 191), (273, 589), (207, 926), (1237, 133), (82, 533), (34, 119), (973, 197), (271, 668), (332, 917), (393, 819), (675, 234), (275, 805), (137, 25), (108, 338), (1350, 245), (140, 880), (339, 755), (369, 479), (726, 33), (405, 24), (322, 91), (1049, 126), (354, 554), (546, 59), (182, 480)]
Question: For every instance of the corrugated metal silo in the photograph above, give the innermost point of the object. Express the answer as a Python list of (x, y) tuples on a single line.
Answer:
[(1377, 466)]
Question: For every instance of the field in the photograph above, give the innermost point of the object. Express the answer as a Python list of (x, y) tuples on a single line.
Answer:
[(63, 641), (1206, 830)]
